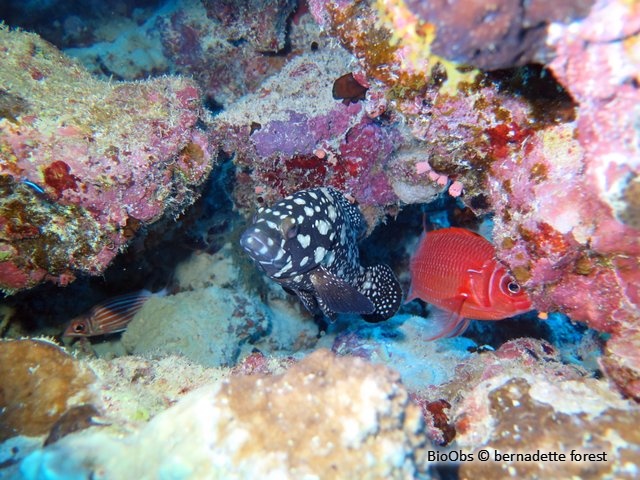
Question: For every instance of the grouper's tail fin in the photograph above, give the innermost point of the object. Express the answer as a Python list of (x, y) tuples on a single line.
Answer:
[(380, 285)]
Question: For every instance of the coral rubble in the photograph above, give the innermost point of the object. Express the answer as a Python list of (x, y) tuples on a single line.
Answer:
[(326, 416), (86, 163)]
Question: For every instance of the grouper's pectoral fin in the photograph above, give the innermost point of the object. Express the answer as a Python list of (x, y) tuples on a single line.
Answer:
[(338, 296), (307, 299)]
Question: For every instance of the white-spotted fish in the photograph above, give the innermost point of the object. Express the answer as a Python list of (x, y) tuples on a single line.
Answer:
[(111, 316), (308, 242)]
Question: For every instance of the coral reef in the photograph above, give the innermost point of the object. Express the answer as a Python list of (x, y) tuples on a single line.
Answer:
[(39, 383), (570, 418), (582, 252), (262, 24), (85, 163), (293, 124), (523, 399), (222, 43), (132, 389), (360, 417), (523, 157), (229, 47), (391, 102), (306, 136)]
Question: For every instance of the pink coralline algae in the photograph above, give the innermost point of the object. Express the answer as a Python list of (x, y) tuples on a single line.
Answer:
[(223, 43), (262, 24), (230, 47), (85, 163), (579, 249), (492, 35), (295, 135)]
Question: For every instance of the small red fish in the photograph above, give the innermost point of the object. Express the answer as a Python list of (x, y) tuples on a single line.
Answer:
[(456, 270), (111, 316)]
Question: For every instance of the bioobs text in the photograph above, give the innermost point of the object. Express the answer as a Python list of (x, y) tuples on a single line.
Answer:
[(485, 455)]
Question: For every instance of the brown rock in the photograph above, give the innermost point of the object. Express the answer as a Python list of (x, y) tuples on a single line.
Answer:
[(39, 382), (494, 35)]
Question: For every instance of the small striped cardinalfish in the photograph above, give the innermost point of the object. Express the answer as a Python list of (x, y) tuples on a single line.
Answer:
[(110, 316)]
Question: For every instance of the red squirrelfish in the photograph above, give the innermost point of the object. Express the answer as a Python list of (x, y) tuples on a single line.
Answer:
[(457, 271), (111, 316)]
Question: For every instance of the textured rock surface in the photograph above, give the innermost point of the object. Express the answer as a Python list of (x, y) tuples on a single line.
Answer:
[(39, 382), (292, 134), (324, 417), (229, 46), (494, 35), (523, 399), (208, 326), (524, 415), (592, 241), (86, 163)]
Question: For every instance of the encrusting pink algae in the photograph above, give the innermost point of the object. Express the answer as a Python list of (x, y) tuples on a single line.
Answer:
[(106, 158)]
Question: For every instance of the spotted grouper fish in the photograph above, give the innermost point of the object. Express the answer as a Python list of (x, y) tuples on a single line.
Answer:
[(308, 243)]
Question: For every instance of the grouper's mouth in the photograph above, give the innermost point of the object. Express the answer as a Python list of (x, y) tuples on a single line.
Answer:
[(263, 250)]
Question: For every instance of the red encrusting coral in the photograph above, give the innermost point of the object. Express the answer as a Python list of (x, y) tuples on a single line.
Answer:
[(15, 278), (58, 177), (505, 138), (439, 427)]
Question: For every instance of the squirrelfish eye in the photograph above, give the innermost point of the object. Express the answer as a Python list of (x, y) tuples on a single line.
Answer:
[(79, 328), (289, 227), (509, 285), (513, 287)]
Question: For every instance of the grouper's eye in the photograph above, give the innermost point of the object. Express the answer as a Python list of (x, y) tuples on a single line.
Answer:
[(289, 227)]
